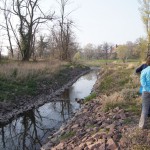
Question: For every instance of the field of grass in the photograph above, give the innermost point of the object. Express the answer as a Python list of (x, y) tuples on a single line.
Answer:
[(103, 62), (17, 79)]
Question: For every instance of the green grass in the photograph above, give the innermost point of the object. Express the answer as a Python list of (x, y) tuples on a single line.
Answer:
[(90, 126), (100, 62), (113, 105), (115, 81), (132, 107), (127, 121), (10, 89), (67, 135), (90, 97)]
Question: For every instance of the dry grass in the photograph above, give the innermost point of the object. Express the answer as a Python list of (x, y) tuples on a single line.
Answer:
[(112, 101), (18, 79), (119, 86), (137, 139), (24, 70), (131, 65), (127, 99)]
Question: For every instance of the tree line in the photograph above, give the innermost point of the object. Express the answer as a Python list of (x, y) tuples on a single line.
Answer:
[(129, 50), (23, 21)]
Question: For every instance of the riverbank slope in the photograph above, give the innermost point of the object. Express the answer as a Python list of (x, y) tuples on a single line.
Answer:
[(28, 86), (110, 120)]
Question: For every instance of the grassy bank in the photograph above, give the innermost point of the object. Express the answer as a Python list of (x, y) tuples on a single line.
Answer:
[(28, 79), (119, 87)]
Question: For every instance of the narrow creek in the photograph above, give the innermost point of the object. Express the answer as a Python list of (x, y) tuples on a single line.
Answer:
[(30, 131)]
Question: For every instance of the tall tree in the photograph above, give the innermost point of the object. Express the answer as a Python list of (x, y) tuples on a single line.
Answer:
[(141, 47), (123, 52), (145, 14), (30, 16), (89, 51), (6, 25), (42, 45), (65, 31), (106, 49)]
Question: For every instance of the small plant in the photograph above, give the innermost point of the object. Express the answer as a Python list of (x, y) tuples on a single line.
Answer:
[(127, 120), (132, 107), (90, 97)]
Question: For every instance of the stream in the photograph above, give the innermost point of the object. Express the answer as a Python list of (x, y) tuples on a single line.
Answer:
[(31, 130)]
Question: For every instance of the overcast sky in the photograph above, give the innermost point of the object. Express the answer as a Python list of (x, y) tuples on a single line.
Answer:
[(114, 21), (98, 21)]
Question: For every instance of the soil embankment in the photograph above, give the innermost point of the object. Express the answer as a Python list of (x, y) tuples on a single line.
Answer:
[(49, 89)]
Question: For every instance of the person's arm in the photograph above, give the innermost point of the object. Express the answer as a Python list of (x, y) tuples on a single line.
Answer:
[(139, 69), (143, 79)]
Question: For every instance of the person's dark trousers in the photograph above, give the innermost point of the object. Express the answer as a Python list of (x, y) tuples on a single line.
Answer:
[(145, 109), (148, 110)]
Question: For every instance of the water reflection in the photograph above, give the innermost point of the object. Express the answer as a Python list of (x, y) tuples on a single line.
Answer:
[(30, 131), (82, 87)]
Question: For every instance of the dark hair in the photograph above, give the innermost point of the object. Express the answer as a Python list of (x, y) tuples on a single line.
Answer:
[(148, 61)]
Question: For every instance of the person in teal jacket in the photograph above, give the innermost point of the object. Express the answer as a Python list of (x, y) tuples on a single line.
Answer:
[(145, 83), (138, 71)]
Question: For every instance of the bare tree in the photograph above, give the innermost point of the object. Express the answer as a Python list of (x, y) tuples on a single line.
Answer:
[(0, 53), (123, 52), (106, 49), (42, 45), (145, 14), (7, 16), (30, 16), (65, 31), (89, 51)]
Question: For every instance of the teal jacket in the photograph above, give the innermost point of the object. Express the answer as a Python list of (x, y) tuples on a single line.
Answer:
[(145, 79)]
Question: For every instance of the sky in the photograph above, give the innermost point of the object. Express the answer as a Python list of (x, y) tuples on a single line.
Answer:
[(98, 21), (113, 21)]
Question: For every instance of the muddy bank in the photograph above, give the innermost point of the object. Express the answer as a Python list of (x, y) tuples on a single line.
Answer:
[(48, 90)]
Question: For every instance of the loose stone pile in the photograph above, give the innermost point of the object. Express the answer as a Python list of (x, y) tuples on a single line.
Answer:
[(92, 129)]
